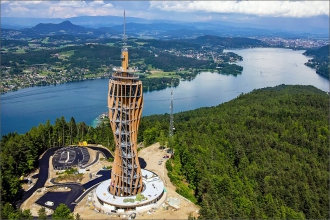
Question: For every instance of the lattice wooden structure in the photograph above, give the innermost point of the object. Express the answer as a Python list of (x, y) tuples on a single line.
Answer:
[(125, 102)]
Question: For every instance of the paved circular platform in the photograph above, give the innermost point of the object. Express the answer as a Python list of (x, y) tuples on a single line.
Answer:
[(68, 157), (153, 191)]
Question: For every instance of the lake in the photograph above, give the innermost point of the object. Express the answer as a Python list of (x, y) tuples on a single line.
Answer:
[(263, 67)]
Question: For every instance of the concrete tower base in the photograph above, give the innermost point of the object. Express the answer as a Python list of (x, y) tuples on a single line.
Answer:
[(152, 195)]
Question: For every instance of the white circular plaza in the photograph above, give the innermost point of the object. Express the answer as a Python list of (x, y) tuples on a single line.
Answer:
[(152, 192)]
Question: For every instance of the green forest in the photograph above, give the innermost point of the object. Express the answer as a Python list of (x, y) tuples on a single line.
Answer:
[(93, 57), (320, 60), (38, 63), (261, 155), (228, 42), (20, 152)]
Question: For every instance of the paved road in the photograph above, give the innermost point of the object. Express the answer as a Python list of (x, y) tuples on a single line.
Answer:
[(106, 174), (43, 175), (67, 198), (96, 159), (106, 152), (142, 162)]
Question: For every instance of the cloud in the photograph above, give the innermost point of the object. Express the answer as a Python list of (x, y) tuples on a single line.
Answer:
[(297, 9), (22, 2), (203, 18), (98, 2), (170, 10), (73, 4), (55, 9)]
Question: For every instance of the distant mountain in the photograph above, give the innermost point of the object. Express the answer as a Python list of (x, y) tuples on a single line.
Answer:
[(287, 27), (106, 21), (109, 30), (66, 26), (49, 29), (86, 21), (20, 23), (137, 27), (228, 42), (189, 30), (186, 33), (149, 29)]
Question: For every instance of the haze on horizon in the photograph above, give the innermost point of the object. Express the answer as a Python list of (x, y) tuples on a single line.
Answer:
[(262, 13)]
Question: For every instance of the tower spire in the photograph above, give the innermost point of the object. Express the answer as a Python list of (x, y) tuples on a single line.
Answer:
[(124, 38), (124, 50)]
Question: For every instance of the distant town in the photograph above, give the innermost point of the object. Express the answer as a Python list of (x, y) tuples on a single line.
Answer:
[(300, 43), (61, 53)]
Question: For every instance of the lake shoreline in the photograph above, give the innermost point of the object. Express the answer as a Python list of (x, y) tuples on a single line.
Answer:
[(86, 100)]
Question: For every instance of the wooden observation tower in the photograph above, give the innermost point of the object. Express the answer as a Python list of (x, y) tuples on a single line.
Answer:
[(125, 102)]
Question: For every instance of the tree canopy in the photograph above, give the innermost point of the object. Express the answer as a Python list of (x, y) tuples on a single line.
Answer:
[(62, 212), (261, 155), (320, 60), (19, 153)]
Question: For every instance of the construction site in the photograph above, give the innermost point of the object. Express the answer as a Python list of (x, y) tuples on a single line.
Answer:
[(174, 206)]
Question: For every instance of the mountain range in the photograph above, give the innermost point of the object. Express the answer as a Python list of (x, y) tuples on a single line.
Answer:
[(112, 26)]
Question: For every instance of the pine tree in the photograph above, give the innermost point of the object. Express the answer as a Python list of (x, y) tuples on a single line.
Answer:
[(62, 212), (42, 213)]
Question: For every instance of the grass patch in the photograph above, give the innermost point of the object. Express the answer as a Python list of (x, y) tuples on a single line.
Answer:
[(70, 175), (90, 75), (66, 54), (20, 50), (137, 62), (140, 43), (45, 41), (160, 73), (43, 73)]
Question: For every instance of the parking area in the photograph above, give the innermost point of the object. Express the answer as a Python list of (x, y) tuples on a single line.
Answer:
[(68, 157)]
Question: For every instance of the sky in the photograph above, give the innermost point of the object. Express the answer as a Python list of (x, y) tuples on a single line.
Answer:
[(239, 10)]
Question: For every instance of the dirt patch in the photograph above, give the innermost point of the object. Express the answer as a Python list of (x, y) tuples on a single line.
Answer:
[(152, 155), (30, 202), (26, 186), (102, 162), (58, 189), (51, 172)]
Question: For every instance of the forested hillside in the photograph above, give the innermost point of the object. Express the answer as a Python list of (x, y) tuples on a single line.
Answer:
[(262, 155), (19, 153), (320, 60)]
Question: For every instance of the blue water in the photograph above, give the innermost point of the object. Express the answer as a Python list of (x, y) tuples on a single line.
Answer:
[(263, 67)]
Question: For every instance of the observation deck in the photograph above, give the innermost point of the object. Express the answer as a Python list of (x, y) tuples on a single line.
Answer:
[(118, 74)]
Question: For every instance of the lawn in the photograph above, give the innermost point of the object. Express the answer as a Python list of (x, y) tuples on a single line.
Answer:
[(45, 41), (160, 73), (20, 50), (64, 55)]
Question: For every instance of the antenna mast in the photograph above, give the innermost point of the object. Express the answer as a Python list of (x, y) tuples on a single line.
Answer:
[(124, 38)]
